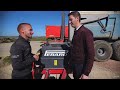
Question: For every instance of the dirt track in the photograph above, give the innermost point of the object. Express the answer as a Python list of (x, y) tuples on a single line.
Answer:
[(101, 70)]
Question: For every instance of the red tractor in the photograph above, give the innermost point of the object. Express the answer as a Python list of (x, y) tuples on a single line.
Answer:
[(54, 54)]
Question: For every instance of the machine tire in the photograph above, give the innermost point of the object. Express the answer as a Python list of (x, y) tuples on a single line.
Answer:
[(103, 50), (116, 50)]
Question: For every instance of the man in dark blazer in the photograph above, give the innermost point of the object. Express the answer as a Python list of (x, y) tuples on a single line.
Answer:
[(82, 48)]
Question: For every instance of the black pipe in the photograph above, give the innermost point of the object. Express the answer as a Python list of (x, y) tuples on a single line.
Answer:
[(63, 26)]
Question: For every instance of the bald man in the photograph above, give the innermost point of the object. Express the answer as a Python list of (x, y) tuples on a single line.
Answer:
[(21, 55)]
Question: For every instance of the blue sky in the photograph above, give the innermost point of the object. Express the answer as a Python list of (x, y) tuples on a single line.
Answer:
[(9, 21)]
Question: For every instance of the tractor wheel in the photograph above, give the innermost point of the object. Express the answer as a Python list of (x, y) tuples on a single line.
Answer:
[(116, 50), (103, 50)]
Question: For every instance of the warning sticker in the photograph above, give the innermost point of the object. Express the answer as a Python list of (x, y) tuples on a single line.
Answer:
[(55, 63)]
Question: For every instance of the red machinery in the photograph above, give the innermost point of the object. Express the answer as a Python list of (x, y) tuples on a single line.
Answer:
[(61, 71), (47, 72), (54, 54), (54, 58), (55, 32)]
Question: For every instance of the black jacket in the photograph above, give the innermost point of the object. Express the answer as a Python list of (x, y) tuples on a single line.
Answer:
[(21, 57)]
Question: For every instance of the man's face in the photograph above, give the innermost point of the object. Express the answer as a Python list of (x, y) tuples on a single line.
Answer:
[(28, 31), (73, 21)]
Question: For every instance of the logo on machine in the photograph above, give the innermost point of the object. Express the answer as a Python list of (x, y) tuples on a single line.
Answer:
[(56, 52)]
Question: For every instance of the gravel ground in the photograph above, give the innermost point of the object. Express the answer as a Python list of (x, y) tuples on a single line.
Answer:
[(101, 70), (106, 70)]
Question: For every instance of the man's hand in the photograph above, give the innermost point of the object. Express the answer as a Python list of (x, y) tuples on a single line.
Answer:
[(38, 53), (36, 57), (83, 76)]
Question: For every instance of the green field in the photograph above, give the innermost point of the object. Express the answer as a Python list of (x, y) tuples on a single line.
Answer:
[(7, 39)]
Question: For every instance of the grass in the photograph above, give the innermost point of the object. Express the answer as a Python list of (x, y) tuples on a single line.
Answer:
[(42, 38), (7, 60), (8, 39)]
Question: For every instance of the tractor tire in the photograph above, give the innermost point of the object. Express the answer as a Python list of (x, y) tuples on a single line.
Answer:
[(103, 50), (116, 50)]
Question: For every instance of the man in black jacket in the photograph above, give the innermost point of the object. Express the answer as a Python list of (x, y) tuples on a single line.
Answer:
[(82, 48), (21, 55)]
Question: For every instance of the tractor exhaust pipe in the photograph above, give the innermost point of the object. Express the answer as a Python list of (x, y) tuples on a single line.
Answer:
[(63, 26)]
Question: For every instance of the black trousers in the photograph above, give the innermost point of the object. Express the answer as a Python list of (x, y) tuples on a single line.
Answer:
[(25, 77), (77, 70)]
